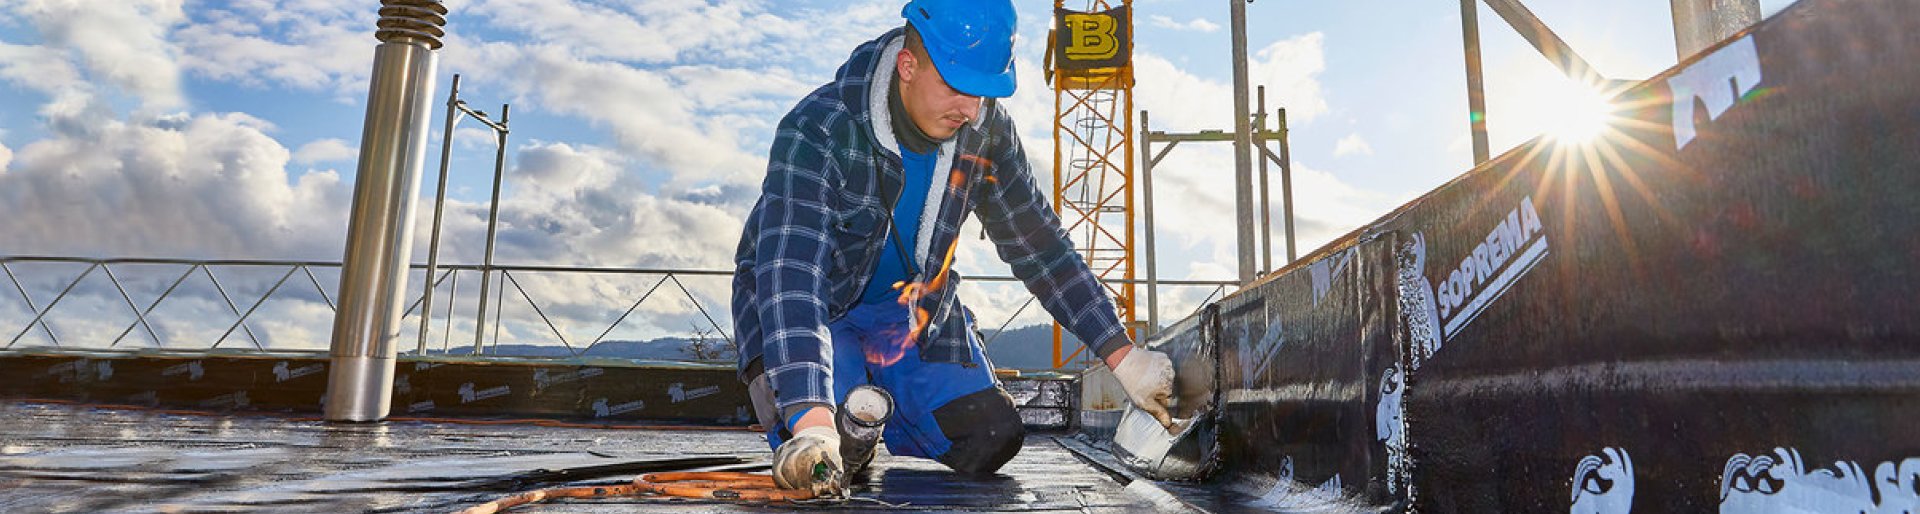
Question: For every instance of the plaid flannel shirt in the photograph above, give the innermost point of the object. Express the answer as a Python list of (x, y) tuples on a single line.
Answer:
[(810, 243)]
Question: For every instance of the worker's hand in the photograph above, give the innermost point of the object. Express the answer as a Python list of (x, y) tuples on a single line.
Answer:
[(1147, 376), (810, 460)]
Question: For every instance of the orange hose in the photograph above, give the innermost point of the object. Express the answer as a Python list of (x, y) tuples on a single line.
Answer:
[(720, 486), (711, 485)]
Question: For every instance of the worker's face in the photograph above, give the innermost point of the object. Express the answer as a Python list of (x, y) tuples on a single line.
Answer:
[(937, 109)]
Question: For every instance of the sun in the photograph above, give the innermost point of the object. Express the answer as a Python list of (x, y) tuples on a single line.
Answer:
[(1543, 102), (1579, 114)]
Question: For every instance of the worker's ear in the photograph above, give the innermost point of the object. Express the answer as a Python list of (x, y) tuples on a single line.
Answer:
[(905, 63)]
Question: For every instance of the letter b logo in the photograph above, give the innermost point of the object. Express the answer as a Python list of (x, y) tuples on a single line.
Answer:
[(1092, 37)]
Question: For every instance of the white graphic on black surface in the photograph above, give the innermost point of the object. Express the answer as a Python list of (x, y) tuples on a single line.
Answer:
[(1604, 483), (602, 409), (1286, 494), (81, 370), (1781, 482), (1508, 252), (678, 392), (1417, 308), (543, 379), (469, 395), (1323, 272), (193, 370), (234, 400), (1390, 425), (282, 372), (1717, 80), (1898, 485), (1254, 363)]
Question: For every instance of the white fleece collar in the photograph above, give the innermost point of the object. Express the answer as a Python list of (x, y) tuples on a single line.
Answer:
[(882, 125)]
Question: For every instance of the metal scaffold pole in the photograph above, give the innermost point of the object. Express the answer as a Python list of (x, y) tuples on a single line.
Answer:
[(1476, 98), (1242, 144)]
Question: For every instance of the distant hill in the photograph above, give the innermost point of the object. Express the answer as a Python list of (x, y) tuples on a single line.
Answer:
[(1029, 347)]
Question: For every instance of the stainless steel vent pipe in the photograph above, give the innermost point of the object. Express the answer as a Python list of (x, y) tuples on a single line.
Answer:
[(393, 147), (1698, 24)]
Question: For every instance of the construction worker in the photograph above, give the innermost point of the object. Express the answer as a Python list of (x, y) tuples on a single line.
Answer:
[(842, 276)]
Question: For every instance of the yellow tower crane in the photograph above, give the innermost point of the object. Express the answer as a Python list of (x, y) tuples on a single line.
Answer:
[(1090, 67)]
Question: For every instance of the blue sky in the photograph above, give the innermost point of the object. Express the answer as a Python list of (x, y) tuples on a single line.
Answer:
[(229, 129)]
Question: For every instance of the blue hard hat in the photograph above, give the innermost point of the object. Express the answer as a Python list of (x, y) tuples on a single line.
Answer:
[(970, 41)]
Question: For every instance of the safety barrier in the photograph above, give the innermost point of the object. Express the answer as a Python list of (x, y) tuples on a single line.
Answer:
[(1713, 306), (295, 307), (143, 304)]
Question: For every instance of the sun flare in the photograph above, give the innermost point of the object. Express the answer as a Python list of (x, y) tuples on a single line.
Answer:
[(1563, 110), (1583, 114)]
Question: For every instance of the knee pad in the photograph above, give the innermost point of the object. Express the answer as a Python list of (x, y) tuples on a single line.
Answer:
[(985, 430), (761, 395)]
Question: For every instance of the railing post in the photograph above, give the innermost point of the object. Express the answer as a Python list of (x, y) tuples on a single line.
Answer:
[(493, 227), (439, 205)]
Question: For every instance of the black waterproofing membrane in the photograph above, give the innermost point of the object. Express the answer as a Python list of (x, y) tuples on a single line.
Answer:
[(1715, 306), (611, 391)]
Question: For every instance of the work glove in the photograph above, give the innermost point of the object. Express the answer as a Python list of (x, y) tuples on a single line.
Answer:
[(1147, 376), (810, 460)]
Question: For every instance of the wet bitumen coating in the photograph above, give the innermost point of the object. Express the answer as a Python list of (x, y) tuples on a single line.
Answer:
[(76, 458)]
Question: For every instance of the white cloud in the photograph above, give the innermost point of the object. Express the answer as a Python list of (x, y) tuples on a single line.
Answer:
[(210, 185), (1353, 144), (6, 157), (1181, 101), (1290, 68), (581, 205), (661, 34), (303, 45), (122, 43), (40, 68), (325, 150), (474, 135), (657, 115), (1193, 25)]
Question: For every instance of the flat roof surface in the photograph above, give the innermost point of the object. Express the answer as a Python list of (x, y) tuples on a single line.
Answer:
[(76, 458)]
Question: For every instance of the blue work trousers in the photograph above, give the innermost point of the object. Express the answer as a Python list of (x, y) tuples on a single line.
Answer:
[(869, 348)]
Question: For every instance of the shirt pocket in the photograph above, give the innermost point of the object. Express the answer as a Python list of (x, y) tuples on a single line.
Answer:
[(852, 232)]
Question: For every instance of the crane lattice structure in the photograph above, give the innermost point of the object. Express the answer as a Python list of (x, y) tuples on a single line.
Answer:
[(1092, 76)]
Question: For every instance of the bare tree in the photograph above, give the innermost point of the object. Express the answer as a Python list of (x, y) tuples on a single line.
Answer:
[(703, 346)]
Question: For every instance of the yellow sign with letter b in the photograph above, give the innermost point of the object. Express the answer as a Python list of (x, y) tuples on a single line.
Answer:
[(1086, 41), (1090, 37)]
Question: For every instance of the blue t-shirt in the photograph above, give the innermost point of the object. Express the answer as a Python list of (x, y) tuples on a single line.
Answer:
[(906, 229)]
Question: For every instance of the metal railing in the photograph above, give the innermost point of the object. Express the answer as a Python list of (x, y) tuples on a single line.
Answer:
[(285, 305), (667, 276), (106, 267)]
